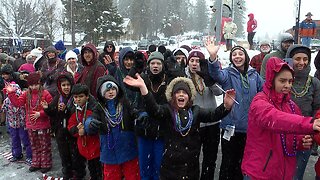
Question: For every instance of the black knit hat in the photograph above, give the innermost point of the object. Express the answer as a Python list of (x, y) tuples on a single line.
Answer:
[(7, 69), (182, 86)]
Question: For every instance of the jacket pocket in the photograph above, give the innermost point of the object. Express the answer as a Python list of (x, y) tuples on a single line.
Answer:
[(267, 162)]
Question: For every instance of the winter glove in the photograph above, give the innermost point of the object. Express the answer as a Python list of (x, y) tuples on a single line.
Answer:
[(204, 74), (139, 64), (173, 69), (143, 121), (95, 124)]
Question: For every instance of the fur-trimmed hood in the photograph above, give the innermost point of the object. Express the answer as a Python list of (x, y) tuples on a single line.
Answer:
[(174, 82)]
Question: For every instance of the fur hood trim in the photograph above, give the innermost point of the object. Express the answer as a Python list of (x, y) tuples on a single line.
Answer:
[(174, 82)]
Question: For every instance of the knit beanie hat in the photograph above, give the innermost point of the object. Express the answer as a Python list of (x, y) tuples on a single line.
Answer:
[(60, 45), (195, 53), (155, 55), (71, 54), (7, 69), (107, 86), (188, 48), (300, 49), (33, 78), (182, 86), (184, 51)]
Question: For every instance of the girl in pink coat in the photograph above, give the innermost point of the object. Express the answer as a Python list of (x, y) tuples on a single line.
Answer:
[(37, 122), (276, 128)]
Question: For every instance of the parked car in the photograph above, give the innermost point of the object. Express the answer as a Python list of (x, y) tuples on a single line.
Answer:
[(144, 44), (131, 44), (315, 45), (196, 44)]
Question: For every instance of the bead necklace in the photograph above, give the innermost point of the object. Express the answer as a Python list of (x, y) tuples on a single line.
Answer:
[(35, 107), (283, 138), (305, 89), (178, 125), (114, 119), (245, 81), (198, 84), (114, 139), (84, 139), (161, 84)]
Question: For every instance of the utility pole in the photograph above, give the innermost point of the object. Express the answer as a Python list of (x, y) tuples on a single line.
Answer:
[(219, 20), (73, 38), (296, 30)]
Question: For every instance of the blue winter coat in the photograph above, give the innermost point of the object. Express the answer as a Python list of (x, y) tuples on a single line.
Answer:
[(230, 78)]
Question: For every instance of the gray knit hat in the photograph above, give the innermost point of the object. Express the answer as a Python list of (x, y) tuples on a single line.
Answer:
[(107, 86), (155, 55)]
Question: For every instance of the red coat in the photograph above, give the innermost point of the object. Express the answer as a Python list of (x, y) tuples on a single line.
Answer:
[(43, 121), (88, 145), (256, 61), (251, 24), (270, 114)]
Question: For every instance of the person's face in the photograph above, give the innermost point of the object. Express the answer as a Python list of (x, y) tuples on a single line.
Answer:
[(194, 64), (155, 66), (265, 48), (238, 58), (88, 55), (128, 62), (111, 93), (109, 48), (65, 87), (51, 55), (72, 62), (300, 61), (24, 55), (5, 76), (180, 58), (283, 82), (1, 50), (80, 99), (286, 44), (182, 98), (34, 86)]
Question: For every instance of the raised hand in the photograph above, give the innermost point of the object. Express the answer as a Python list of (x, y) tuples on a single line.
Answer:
[(228, 99), (61, 107), (136, 82), (316, 125), (212, 49), (107, 59), (8, 88)]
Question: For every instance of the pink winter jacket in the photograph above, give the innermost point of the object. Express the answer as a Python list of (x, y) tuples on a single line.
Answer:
[(269, 115), (43, 121)]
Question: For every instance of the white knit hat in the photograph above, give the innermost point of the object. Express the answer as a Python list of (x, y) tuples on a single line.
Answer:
[(71, 54)]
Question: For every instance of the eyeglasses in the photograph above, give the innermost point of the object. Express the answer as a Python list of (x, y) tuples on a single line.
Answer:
[(109, 46)]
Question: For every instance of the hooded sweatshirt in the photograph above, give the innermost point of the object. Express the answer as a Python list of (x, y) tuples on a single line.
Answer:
[(271, 114), (251, 24), (91, 71), (305, 89)]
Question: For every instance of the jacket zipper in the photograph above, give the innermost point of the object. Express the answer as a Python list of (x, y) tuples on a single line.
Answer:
[(266, 164)]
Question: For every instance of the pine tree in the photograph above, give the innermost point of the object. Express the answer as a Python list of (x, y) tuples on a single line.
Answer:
[(201, 16), (99, 20)]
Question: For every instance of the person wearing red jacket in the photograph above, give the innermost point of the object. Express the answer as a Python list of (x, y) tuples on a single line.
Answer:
[(276, 128), (256, 61), (251, 27), (88, 143), (37, 121), (316, 138)]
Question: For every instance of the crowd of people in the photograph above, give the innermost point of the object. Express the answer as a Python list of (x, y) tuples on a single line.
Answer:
[(149, 114)]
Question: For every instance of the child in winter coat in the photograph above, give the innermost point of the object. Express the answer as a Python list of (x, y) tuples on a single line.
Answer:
[(114, 117), (37, 122), (88, 144), (316, 138), (59, 111), (181, 122), (15, 117)]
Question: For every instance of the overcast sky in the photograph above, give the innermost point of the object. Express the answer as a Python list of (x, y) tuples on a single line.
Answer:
[(275, 16)]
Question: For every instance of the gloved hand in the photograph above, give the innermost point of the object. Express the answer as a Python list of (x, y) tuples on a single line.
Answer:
[(204, 74), (173, 68), (139, 64), (96, 124), (143, 121)]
